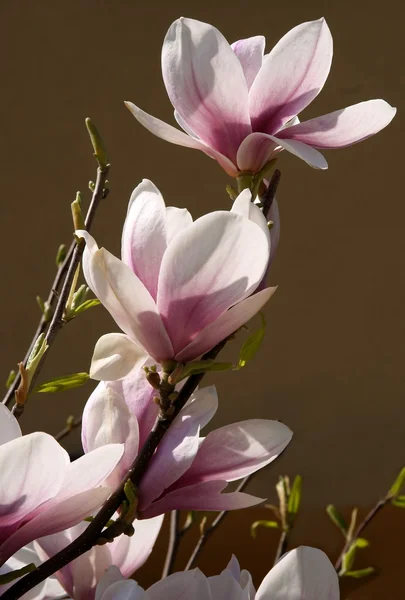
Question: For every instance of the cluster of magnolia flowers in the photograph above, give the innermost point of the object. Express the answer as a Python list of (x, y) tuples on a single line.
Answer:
[(180, 288)]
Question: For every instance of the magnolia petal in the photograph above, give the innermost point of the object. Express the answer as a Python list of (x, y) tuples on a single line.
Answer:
[(206, 84), (178, 448), (244, 206), (205, 495), (213, 264), (292, 75), (226, 586), (9, 427), (237, 450), (250, 53), (56, 517), (302, 574), (107, 420), (343, 127), (192, 585), (32, 470), (225, 325), (144, 234), (126, 298), (90, 470), (130, 553), (177, 219), (170, 134), (111, 576), (114, 357), (124, 590)]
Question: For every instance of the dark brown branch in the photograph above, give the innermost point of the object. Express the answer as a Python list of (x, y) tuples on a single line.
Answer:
[(92, 533), (207, 533), (367, 519), (57, 321), (270, 193)]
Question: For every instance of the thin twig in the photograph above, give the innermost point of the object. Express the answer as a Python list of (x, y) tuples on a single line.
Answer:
[(89, 537), (206, 534), (175, 537), (43, 322), (367, 519), (57, 321), (69, 427), (282, 545)]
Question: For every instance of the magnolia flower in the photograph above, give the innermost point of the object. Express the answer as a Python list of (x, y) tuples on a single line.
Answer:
[(240, 107), (187, 471), (41, 491), (80, 577), (50, 589), (304, 574), (181, 286)]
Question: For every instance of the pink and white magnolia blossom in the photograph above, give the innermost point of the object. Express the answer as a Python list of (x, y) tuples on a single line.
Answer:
[(302, 574), (187, 471), (240, 106), (80, 577), (181, 286), (50, 589), (41, 491)]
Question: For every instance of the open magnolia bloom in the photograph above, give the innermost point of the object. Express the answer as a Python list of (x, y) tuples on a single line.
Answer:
[(187, 471), (41, 491), (181, 286), (302, 574), (240, 106), (80, 577)]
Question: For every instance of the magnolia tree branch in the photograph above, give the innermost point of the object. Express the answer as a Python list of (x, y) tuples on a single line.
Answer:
[(71, 425), (93, 532), (207, 533), (57, 321)]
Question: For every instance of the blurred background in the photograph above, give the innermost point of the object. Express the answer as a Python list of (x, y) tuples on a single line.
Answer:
[(331, 366)]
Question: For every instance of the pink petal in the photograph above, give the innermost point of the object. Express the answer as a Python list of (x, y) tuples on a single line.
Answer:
[(258, 148), (55, 518), (237, 450), (190, 585), (32, 470), (130, 553), (138, 395), (107, 420), (213, 264), (244, 206), (111, 576), (175, 136), (144, 234), (205, 495), (206, 84), (304, 574), (226, 324), (126, 298), (115, 356), (343, 127), (9, 427), (250, 53), (177, 219), (292, 75), (178, 448)]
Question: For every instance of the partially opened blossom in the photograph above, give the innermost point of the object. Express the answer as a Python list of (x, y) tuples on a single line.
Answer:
[(240, 106), (80, 577), (50, 589), (41, 491), (181, 286), (187, 471), (302, 574)]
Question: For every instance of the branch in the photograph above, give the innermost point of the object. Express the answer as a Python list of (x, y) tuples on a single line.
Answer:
[(138, 468), (282, 546), (205, 535), (71, 424), (270, 193), (368, 518)]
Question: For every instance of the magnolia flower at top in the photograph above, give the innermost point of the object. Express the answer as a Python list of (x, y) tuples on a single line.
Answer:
[(41, 491), (241, 106), (181, 286), (302, 574)]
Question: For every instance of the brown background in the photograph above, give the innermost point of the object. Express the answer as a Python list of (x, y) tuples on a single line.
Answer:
[(332, 364)]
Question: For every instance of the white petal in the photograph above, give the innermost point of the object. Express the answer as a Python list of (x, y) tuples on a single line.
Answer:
[(114, 357), (190, 585), (177, 219), (9, 427), (250, 53)]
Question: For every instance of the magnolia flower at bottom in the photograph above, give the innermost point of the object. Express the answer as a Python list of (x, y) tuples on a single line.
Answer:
[(302, 574), (41, 491), (187, 471), (80, 577)]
